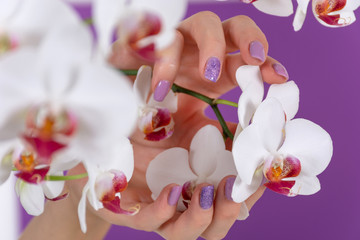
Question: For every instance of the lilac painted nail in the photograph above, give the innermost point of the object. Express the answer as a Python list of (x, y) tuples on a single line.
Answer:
[(207, 197), (228, 187), (212, 69), (281, 70), (174, 195), (257, 50), (161, 90)]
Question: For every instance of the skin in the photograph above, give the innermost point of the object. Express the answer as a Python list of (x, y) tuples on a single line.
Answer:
[(199, 37)]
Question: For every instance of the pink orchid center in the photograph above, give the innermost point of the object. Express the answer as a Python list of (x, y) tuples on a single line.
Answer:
[(25, 162), (137, 27), (248, 1), (324, 8), (188, 189), (276, 168), (7, 43), (156, 123)]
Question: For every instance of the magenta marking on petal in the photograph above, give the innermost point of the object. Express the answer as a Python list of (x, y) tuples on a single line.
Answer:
[(44, 148), (282, 187), (119, 181), (162, 118), (35, 177), (158, 135), (58, 198), (114, 206), (147, 53)]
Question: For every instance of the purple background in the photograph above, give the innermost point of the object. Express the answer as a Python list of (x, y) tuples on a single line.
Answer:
[(324, 62)]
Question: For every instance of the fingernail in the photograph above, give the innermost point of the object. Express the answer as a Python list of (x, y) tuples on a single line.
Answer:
[(174, 195), (228, 187), (212, 69), (161, 90), (257, 50), (207, 197), (281, 70)]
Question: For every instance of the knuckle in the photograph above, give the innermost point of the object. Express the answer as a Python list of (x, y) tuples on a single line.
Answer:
[(209, 16), (243, 19)]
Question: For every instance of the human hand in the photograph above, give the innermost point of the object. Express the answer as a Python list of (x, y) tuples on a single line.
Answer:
[(200, 37)]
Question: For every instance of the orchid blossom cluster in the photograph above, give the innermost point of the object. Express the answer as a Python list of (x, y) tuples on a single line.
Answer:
[(62, 104), (270, 147), (330, 13)]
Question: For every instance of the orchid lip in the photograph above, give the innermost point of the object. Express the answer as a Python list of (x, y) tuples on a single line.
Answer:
[(156, 123), (7, 43), (278, 167)]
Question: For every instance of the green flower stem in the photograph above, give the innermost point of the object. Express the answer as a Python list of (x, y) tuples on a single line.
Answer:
[(88, 21), (129, 72), (211, 101), (64, 178)]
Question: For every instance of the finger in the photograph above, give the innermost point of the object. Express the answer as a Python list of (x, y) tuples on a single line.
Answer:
[(166, 68), (205, 30), (243, 34), (226, 211), (191, 223), (152, 216)]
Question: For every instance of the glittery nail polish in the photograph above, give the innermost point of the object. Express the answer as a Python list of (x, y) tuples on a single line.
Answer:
[(228, 187), (174, 195), (257, 50), (212, 69), (281, 70), (207, 197), (161, 90)]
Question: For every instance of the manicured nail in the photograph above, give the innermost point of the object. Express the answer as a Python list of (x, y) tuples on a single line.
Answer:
[(257, 50), (281, 70), (174, 195), (161, 90), (207, 197), (212, 69), (228, 187)]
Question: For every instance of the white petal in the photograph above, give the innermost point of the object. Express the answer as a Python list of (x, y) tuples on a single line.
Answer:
[(311, 144), (6, 159), (250, 81), (82, 209), (270, 119), (244, 212), (304, 185), (351, 5), (249, 153), (31, 197), (242, 191), (206, 150), (225, 167), (106, 14), (299, 19), (142, 84), (303, 5), (170, 166), (37, 17), (170, 102), (8, 8), (53, 189), (281, 8), (288, 95), (72, 46), (105, 108)]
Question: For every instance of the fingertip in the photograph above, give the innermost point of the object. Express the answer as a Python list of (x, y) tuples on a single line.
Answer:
[(212, 69), (274, 72), (174, 195), (162, 88), (257, 52), (206, 197)]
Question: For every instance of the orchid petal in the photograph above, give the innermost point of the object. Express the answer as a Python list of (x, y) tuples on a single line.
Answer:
[(31, 197), (336, 19), (6, 158), (142, 84), (82, 209), (288, 95), (248, 152), (281, 8), (308, 142), (250, 82), (35, 18), (170, 166), (9, 208), (270, 120), (93, 171), (53, 189), (244, 212), (300, 14), (205, 150), (242, 191), (225, 167), (8, 8), (304, 185)]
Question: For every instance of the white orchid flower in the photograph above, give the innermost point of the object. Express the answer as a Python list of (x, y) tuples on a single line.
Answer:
[(330, 13), (107, 179), (142, 25), (281, 8), (56, 99), (24, 22), (155, 118), (206, 161), (252, 86), (289, 154)]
